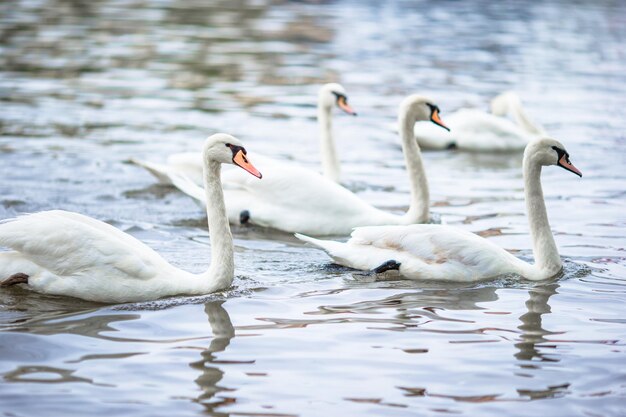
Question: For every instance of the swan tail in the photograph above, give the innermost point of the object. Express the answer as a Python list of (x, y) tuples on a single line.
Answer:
[(159, 171), (329, 246), (187, 186)]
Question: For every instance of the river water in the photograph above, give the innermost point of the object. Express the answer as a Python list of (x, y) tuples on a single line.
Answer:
[(86, 85)]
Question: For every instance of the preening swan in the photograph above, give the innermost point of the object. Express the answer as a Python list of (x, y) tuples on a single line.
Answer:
[(293, 199), (437, 252), (65, 253), (189, 164), (475, 130)]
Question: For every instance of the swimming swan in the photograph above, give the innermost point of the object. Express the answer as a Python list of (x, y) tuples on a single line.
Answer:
[(294, 199), (437, 252), (189, 164), (65, 253), (475, 130)]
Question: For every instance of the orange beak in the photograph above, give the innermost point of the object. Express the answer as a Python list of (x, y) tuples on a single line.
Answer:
[(343, 105), (241, 160), (563, 162), (434, 117)]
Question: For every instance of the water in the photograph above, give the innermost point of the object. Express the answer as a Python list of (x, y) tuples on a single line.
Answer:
[(84, 86)]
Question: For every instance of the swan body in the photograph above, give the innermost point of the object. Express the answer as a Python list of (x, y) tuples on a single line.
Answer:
[(189, 164), (294, 199), (438, 252), (64, 253), (475, 130), (313, 203)]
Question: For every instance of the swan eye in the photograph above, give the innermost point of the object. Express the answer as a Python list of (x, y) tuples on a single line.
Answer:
[(340, 96), (433, 108), (560, 152), (235, 149)]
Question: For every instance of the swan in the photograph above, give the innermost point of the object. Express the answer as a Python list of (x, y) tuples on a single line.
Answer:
[(190, 163), (475, 130), (438, 252), (65, 253), (294, 199)]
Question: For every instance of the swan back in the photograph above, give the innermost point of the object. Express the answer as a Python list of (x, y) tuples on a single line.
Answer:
[(70, 244)]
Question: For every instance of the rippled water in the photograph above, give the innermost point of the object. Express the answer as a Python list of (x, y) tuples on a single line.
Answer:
[(84, 86)]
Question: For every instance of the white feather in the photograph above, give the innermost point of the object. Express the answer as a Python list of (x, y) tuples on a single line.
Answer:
[(439, 252), (295, 199), (66, 253), (475, 130)]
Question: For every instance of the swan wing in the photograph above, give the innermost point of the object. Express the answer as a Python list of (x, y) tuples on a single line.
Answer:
[(189, 187), (161, 172), (472, 129), (431, 243), (70, 244), (477, 130), (295, 187), (289, 198), (188, 164), (424, 251), (292, 198)]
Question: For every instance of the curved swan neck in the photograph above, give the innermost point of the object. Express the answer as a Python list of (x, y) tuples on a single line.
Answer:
[(222, 266), (418, 209), (547, 259), (522, 119), (330, 160)]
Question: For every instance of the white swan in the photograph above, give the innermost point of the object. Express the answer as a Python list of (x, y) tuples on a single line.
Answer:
[(294, 199), (475, 130), (189, 164), (328, 95), (437, 252), (65, 253)]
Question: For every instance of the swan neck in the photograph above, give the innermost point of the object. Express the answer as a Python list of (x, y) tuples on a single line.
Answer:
[(222, 268), (547, 258), (330, 160), (522, 119), (418, 208)]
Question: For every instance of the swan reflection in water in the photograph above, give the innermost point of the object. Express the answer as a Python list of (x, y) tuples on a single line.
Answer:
[(223, 331), (529, 345), (532, 331), (416, 311)]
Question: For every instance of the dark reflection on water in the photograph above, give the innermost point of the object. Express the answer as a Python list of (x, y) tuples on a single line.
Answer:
[(85, 86), (532, 329), (211, 375)]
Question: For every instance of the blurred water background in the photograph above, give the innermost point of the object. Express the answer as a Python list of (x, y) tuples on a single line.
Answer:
[(86, 85)]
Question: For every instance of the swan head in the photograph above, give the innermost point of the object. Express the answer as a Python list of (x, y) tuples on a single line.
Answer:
[(227, 149), (334, 94), (501, 104), (416, 108), (547, 151)]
